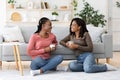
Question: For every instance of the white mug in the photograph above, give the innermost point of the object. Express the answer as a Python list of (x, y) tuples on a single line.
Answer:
[(52, 46), (70, 42)]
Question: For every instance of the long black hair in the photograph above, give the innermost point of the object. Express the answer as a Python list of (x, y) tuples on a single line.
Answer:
[(81, 23), (42, 21)]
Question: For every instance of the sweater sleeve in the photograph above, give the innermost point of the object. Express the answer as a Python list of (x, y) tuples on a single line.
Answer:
[(54, 40), (64, 40), (89, 43), (31, 47)]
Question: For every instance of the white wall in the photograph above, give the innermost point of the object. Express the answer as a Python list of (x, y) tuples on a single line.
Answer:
[(2, 13), (115, 17)]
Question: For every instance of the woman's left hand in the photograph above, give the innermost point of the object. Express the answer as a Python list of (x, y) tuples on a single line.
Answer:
[(53, 49), (73, 46)]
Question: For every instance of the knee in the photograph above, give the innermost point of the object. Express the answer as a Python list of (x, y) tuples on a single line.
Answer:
[(59, 58), (88, 69), (33, 65), (91, 55), (72, 66), (38, 60)]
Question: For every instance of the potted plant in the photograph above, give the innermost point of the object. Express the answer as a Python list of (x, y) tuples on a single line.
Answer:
[(11, 3), (54, 15), (91, 16), (118, 4), (75, 4)]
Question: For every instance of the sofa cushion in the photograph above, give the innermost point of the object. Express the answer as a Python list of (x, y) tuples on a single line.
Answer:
[(12, 33), (98, 48), (60, 32), (95, 33), (9, 51), (63, 50), (27, 31)]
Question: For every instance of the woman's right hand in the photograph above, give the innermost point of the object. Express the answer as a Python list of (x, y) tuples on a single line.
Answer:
[(67, 44), (72, 46), (47, 49)]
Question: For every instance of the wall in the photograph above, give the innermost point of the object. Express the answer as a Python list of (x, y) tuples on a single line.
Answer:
[(2, 13), (115, 17)]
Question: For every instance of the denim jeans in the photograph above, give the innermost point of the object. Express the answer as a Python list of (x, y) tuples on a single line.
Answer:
[(46, 64), (86, 62)]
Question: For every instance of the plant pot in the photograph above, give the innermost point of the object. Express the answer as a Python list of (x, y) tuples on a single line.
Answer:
[(11, 6), (54, 17)]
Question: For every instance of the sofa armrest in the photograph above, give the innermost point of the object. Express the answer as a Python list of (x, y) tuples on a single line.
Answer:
[(108, 45)]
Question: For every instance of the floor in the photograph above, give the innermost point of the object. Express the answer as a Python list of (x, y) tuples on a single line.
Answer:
[(11, 65)]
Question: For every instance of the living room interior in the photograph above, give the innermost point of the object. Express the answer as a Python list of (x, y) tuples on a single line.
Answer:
[(19, 20)]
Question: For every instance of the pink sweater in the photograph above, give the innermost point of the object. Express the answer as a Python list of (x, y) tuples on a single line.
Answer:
[(37, 44)]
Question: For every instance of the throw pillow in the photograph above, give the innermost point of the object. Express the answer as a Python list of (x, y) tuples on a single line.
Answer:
[(12, 33), (95, 33)]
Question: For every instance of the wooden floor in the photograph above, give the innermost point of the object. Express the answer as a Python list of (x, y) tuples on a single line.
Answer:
[(11, 65)]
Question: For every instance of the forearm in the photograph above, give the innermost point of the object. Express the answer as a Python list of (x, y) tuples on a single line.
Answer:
[(63, 43), (65, 40), (32, 52), (85, 48)]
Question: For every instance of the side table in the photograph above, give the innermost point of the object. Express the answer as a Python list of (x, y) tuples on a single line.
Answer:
[(17, 57)]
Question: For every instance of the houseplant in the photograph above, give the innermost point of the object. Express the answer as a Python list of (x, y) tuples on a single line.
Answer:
[(91, 16), (11, 3), (54, 15), (118, 4), (75, 4)]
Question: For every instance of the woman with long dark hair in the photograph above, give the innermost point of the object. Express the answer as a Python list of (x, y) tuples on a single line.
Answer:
[(80, 42), (41, 43)]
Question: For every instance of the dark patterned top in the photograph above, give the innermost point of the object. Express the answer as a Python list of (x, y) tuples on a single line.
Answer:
[(85, 43)]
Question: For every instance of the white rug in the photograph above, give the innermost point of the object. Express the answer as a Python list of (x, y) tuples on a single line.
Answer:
[(60, 75)]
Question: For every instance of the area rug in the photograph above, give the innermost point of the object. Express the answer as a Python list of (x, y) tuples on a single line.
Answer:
[(60, 75)]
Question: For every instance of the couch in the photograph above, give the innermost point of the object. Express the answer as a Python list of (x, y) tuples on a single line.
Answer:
[(102, 49)]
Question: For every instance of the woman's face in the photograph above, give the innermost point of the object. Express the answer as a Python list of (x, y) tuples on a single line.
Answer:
[(74, 27), (47, 26)]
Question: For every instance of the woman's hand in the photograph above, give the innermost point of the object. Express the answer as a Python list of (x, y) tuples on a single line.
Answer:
[(53, 47), (67, 44), (72, 46), (47, 49)]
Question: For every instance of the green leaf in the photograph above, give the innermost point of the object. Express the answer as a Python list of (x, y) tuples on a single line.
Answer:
[(91, 16)]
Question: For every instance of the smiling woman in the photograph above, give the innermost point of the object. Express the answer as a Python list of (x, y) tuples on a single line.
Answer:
[(82, 46), (40, 46)]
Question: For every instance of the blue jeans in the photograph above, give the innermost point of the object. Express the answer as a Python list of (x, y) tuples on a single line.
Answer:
[(46, 64), (86, 62)]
